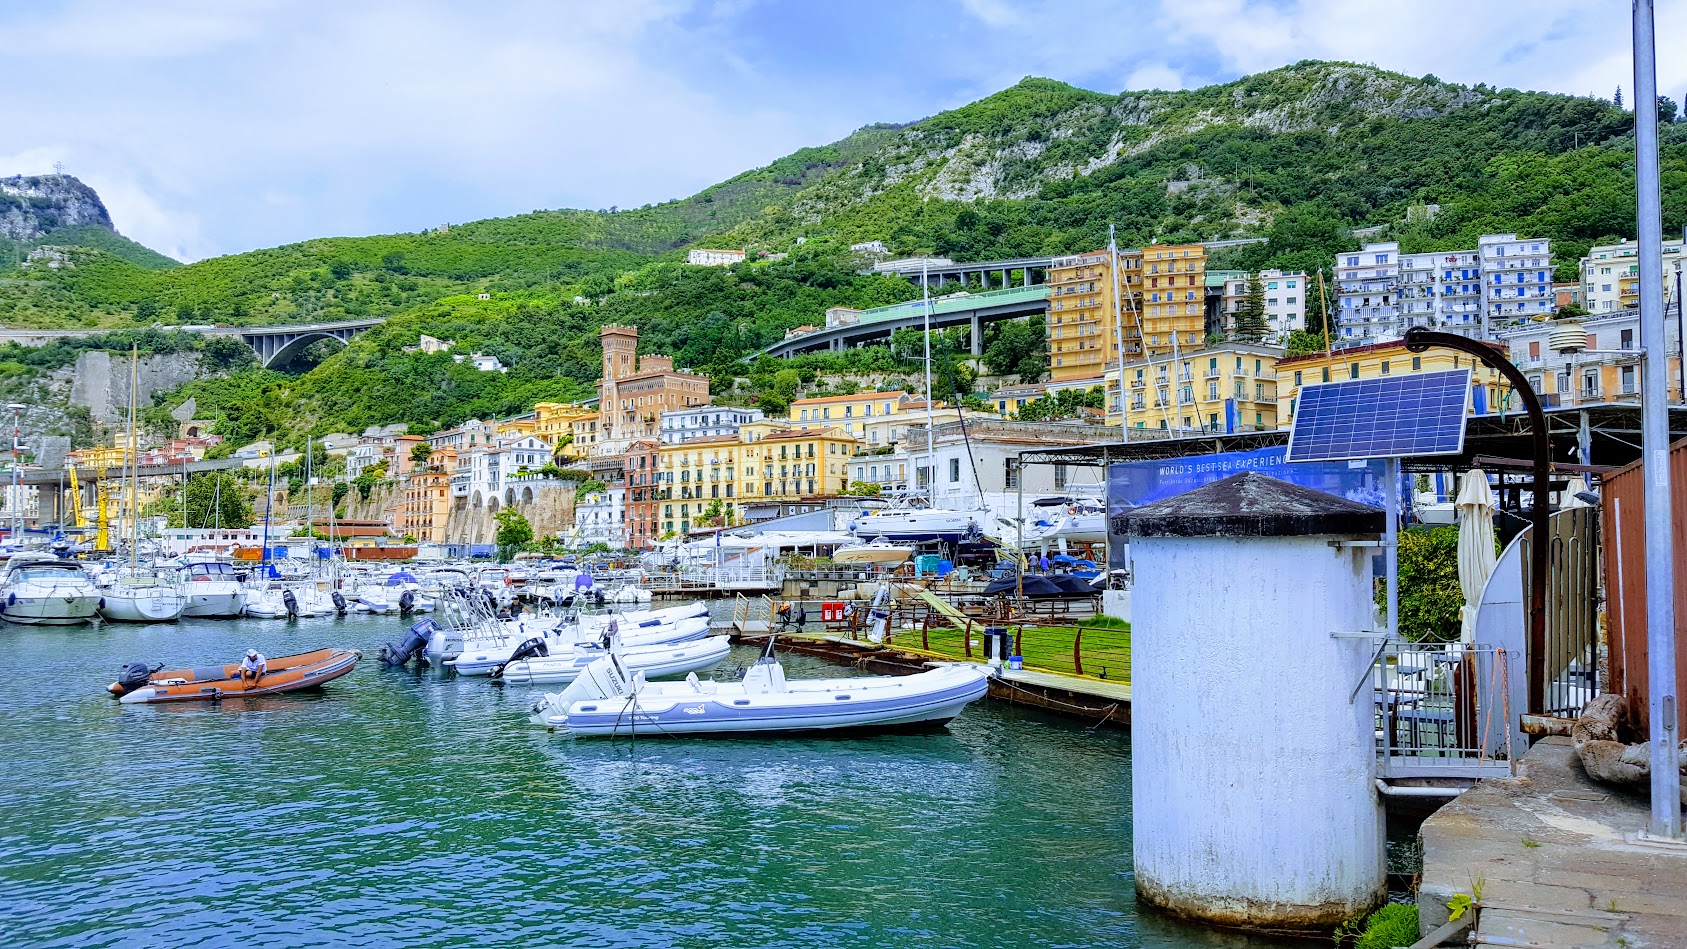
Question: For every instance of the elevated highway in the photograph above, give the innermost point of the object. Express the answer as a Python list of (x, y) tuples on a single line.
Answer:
[(859, 328)]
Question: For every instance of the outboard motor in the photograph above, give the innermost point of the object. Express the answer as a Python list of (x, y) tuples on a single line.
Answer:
[(339, 602), (291, 602), (133, 676), (397, 654), (597, 598), (530, 649), (406, 602)]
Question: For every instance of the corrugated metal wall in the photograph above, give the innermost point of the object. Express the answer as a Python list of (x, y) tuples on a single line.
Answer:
[(1624, 505)]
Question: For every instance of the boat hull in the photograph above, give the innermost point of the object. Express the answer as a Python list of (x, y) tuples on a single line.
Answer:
[(732, 713), (215, 604), (50, 610), (143, 606)]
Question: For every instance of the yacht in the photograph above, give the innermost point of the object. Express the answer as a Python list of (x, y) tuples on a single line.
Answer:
[(142, 595), (916, 524), (41, 590), (213, 590)]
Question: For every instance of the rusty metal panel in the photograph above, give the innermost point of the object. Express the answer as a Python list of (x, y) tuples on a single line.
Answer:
[(1623, 507)]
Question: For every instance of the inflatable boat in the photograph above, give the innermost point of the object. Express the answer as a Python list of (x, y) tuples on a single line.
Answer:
[(208, 683), (606, 700)]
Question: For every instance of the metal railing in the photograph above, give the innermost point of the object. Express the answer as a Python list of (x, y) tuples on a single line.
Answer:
[(1444, 711)]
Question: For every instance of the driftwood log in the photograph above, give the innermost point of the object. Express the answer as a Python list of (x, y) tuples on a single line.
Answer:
[(1598, 735)]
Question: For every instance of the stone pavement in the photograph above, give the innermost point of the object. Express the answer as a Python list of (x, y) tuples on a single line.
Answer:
[(1556, 859)]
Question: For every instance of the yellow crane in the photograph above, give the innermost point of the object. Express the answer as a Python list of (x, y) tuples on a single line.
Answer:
[(76, 518), (102, 503)]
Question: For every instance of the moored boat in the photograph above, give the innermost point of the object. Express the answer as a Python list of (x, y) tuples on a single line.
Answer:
[(879, 551), (213, 589), (667, 660), (42, 590), (141, 596), (607, 700), (208, 683)]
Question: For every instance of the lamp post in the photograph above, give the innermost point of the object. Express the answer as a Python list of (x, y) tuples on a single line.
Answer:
[(1419, 339), (16, 500)]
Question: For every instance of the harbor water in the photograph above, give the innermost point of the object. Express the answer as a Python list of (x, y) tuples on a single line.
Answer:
[(415, 808)]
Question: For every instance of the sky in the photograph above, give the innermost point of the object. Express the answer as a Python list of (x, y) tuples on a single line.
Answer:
[(216, 126)]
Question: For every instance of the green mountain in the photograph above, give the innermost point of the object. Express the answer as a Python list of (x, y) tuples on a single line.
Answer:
[(1299, 155)]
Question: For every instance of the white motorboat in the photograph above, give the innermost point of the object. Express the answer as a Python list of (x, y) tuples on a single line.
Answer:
[(483, 657), (608, 699), (653, 661), (880, 551), (213, 590), (144, 596), (41, 590), (915, 524)]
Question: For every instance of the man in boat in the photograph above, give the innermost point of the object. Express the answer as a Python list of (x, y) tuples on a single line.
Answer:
[(253, 667)]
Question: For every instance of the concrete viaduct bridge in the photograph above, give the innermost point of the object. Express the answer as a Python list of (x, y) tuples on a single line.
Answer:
[(275, 345), (847, 328)]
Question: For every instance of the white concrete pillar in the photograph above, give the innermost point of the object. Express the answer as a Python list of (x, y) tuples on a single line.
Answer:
[(1254, 801)]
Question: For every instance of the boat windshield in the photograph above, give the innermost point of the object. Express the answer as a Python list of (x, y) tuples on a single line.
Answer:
[(211, 571), (46, 571)]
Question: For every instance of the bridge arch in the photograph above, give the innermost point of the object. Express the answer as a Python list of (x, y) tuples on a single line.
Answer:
[(290, 350)]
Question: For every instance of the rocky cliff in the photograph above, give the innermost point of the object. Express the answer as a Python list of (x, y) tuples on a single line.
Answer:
[(33, 207)]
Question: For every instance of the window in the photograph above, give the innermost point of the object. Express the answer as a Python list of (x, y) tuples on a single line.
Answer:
[(1060, 476), (1326, 373), (1011, 474), (1297, 378), (1417, 363), (954, 470)]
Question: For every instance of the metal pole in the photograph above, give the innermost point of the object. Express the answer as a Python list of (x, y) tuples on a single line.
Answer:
[(1118, 319), (15, 502), (1654, 438), (931, 427), (1391, 543)]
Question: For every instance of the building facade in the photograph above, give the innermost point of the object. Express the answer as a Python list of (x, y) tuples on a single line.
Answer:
[(1285, 302), (1160, 307), (705, 257), (639, 476), (1365, 288), (1603, 366), (634, 391), (1229, 389), (1516, 279), (704, 421), (1611, 275), (1440, 290)]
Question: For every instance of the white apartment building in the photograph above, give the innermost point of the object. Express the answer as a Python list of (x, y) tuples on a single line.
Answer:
[(1285, 302), (1516, 278), (1611, 275), (1441, 290), (526, 453), (469, 435), (600, 518), (1367, 308), (679, 426), (705, 257), (1381, 293)]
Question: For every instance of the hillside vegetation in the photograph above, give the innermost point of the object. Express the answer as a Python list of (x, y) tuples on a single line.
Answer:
[(1299, 155)]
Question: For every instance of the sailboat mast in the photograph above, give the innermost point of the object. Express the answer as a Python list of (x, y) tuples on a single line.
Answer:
[(1118, 318), (931, 428), (134, 460), (269, 502)]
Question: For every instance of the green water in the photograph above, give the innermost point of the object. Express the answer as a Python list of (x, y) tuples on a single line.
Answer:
[(419, 809)]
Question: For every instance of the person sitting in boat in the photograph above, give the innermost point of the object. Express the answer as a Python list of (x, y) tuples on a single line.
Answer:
[(253, 667)]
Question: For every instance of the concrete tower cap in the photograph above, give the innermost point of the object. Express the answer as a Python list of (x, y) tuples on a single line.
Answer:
[(1253, 505)]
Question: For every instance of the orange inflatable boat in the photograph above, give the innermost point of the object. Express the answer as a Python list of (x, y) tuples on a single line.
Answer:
[(307, 670)]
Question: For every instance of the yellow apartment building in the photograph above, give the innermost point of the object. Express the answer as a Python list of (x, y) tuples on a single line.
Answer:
[(1164, 296), (1382, 359), (849, 411), (777, 463), (554, 420), (1229, 389)]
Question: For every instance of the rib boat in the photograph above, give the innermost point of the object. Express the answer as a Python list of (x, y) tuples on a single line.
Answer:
[(607, 699), (306, 670), (652, 661)]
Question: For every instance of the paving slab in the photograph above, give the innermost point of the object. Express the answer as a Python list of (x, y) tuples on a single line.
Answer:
[(1556, 859)]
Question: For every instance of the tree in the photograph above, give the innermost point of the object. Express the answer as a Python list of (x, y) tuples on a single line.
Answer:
[(1430, 597), (214, 499), (1250, 313), (1617, 100), (513, 532), (1302, 343), (1018, 346), (1065, 404), (419, 454)]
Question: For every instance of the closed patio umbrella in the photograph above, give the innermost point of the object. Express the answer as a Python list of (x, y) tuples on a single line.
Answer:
[(1476, 546)]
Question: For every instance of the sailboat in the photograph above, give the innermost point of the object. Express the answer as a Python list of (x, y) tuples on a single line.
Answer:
[(140, 594)]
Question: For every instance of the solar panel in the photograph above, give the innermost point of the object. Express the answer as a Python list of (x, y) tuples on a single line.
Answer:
[(1385, 417)]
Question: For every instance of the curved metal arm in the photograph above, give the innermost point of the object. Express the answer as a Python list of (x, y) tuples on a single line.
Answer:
[(1418, 340)]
